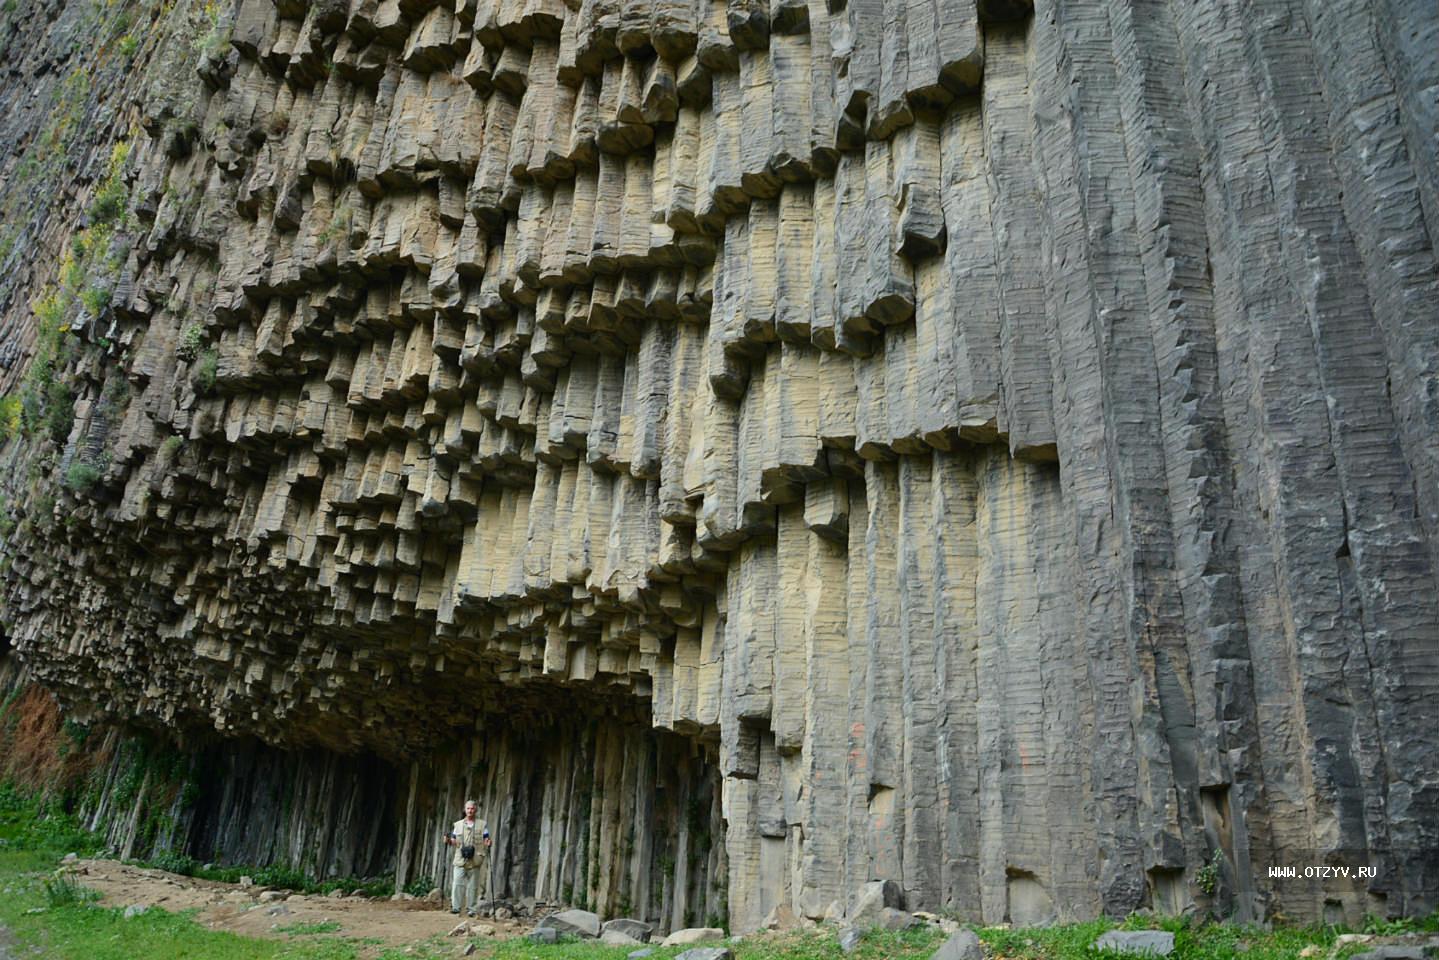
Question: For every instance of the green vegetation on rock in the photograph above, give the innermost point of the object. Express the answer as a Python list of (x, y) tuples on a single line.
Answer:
[(81, 476), (206, 369), (82, 291)]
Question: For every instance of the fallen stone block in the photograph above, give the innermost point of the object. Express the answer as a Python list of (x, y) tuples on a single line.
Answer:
[(849, 939), (892, 919), (1345, 939), (579, 923), (545, 935), (1150, 943), (781, 918), (637, 929), (690, 935), (963, 945), (707, 953), (875, 897)]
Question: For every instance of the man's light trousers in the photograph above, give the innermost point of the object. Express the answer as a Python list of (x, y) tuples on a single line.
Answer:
[(468, 885)]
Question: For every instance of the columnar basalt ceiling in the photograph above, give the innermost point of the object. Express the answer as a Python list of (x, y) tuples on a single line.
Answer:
[(1005, 437)]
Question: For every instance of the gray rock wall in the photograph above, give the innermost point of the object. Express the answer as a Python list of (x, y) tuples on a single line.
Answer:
[(1000, 440)]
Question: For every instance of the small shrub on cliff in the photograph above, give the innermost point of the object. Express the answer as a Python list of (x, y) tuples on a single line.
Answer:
[(214, 41), (205, 372), (191, 339), (9, 417), (95, 298), (59, 410), (45, 400), (75, 735), (109, 202), (341, 220), (1207, 876), (81, 476)]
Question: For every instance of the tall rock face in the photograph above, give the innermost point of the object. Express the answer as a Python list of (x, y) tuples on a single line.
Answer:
[(765, 448)]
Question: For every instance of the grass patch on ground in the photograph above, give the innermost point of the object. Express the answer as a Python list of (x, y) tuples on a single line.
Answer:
[(276, 876), (309, 929), (1209, 941), (45, 908)]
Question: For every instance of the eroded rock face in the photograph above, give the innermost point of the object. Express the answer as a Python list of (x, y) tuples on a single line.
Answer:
[(980, 449)]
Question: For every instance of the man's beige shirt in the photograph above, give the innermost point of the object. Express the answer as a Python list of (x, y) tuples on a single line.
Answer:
[(470, 834)]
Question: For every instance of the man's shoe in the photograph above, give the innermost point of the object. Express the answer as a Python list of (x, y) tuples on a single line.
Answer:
[(455, 910), (470, 913)]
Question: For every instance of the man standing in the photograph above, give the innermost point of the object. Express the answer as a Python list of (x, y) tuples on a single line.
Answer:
[(471, 840)]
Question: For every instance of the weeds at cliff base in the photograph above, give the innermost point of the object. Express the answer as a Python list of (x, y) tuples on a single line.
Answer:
[(63, 890), (276, 877)]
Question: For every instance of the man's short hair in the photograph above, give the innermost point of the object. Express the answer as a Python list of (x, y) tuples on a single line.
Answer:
[(471, 803)]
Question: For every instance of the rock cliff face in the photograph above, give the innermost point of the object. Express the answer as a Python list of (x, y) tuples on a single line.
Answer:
[(760, 448)]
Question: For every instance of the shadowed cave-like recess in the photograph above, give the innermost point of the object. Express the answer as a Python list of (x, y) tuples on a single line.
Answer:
[(760, 448)]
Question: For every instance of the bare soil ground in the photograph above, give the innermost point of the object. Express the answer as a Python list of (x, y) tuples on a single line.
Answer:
[(259, 912)]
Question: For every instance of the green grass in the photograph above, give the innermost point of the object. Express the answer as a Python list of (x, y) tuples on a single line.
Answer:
[(47, 909), (309, 929), (1388, 928), (39, 828), (64, 890), (80, 932), (72, 928), (276, 876), (1193, 940)]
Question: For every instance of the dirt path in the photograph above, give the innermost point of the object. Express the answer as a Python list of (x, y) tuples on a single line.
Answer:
[(260, 912)]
